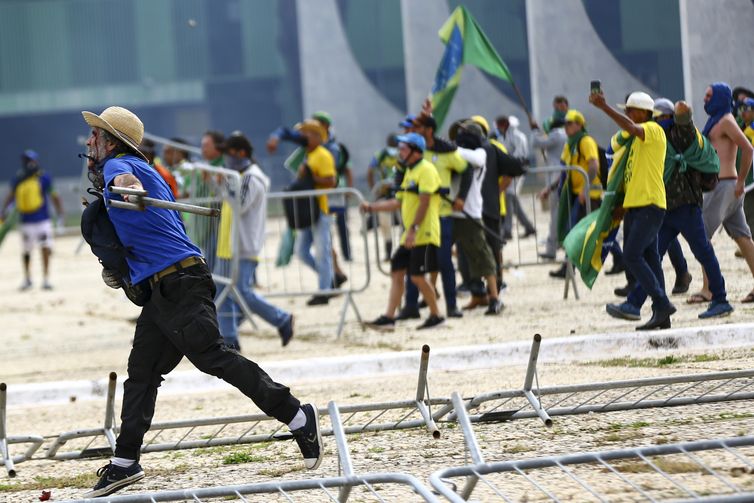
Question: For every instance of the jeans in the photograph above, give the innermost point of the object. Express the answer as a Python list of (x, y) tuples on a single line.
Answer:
[(231, 315), (319, 235), (640, 255), (447, 270), (180, 320), (341, 220), (687, 220)]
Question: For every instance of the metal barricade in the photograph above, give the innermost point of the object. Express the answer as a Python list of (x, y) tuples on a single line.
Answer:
[(292, 280), (369, 485), (386, 227), (8, 459), (704, 470)]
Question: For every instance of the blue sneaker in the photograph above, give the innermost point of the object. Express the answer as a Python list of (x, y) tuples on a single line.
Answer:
[(114, 478), (716, 309), (624, 311), (286, 330)]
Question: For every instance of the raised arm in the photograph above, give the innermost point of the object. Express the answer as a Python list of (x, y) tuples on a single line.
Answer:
[(623, 122)]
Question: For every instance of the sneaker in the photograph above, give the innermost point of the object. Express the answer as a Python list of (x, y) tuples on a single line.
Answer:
[(455, 313), (624, 311), (381, 323), (430, 322), (716, 309), (339, 280), (559, 273), (25, 285), (113, 478), (408, 313), (309, 438), (318, 300), (46, 285), (286, 331)]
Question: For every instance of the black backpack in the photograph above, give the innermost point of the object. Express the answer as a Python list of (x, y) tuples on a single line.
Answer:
[(301, 212), (604, 168), (99, 232)]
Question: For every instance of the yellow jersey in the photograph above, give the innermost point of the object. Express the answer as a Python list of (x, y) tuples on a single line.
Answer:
[(446, 164), (585, 151), (644, 169), (421, 179), (322, 164)]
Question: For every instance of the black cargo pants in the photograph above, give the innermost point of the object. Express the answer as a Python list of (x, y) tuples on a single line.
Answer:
[(180, 320)]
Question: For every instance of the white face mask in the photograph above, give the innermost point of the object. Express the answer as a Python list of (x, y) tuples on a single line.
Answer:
[(392, 151)]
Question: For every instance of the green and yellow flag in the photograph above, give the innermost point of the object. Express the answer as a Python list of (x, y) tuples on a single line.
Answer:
[(465, 44), (583, 244)]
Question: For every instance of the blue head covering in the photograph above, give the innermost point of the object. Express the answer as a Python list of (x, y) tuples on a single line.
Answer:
[(720, 104)]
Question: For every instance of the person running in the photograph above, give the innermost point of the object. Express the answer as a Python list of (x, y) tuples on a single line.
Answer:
[(644, 201), (419, 201), (179, 319), (251, 235), (31, 191), (689, 154), (724, 204)]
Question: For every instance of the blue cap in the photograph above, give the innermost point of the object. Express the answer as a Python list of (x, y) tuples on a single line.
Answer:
[(407, 121), (414, 139), (31, 155)]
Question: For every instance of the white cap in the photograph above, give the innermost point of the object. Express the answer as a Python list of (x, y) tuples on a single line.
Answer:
[(513, 121), (639, 100)]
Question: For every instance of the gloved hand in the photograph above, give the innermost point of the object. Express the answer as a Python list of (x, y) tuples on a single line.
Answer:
[(111, 278)]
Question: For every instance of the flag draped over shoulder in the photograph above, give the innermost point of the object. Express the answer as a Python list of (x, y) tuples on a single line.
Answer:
[(583, 244), (701, 155), (465, 44)]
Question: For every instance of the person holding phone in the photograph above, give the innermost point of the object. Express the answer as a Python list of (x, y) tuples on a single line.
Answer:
[(644, 200)]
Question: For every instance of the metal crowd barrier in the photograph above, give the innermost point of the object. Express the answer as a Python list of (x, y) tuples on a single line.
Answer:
[(294, 279), (703, 470), (421, 411), (369, 486)]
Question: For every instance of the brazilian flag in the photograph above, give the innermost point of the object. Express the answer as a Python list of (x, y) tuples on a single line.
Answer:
[(465, 44), (8, 224), (583, 244)]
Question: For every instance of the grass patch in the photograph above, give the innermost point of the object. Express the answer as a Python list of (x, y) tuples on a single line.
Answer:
[(279, 471), (667, 465), (82, 481), (654, 362), (376, 449), (239, 457)]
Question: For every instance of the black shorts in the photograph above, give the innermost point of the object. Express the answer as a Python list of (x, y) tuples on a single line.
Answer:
[(418, 260)]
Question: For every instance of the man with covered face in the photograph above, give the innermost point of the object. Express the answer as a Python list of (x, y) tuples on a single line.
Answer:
[(179, 318)]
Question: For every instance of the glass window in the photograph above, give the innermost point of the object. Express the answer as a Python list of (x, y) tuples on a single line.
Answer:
[(645, 37)]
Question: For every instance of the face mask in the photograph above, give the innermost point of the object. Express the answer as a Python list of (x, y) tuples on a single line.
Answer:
[(666, 123), (392, 151), (236, 163)]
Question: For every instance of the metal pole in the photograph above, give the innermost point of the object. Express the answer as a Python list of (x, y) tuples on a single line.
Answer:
[(110, 410), (471, 443), (344, 456), (169, 205), (421, 394), (533, 355), (7, 460)]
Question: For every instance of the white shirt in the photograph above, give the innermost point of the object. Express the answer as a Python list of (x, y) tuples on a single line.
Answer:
[(477, 160)]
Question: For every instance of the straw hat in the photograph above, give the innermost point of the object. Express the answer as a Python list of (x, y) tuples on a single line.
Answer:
[(311, 125), (119, 122)]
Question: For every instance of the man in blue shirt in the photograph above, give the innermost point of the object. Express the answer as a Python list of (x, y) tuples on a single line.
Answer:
[(31, 191), (180, 318)]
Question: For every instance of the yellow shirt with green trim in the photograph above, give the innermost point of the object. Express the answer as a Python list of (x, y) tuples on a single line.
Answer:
[(322, 164), (421, 179), (585, 151), (446, 163), (644, 169)]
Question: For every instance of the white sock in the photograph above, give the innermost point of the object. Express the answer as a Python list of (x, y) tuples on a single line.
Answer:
[(299, 421), (122, 462)]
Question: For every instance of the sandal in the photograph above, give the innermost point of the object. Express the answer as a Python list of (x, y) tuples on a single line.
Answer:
[(748, 299), (700, 298)]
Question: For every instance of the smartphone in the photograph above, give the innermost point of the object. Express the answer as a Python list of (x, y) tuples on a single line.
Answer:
[(595, 87)]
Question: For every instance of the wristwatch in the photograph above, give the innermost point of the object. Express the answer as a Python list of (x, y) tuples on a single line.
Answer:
[(415, 228)]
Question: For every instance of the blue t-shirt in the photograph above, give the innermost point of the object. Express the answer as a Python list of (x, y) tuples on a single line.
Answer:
[(156, 237), (43, 183)]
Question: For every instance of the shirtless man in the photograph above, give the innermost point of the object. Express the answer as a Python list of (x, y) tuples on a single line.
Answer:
[(724, 204)]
